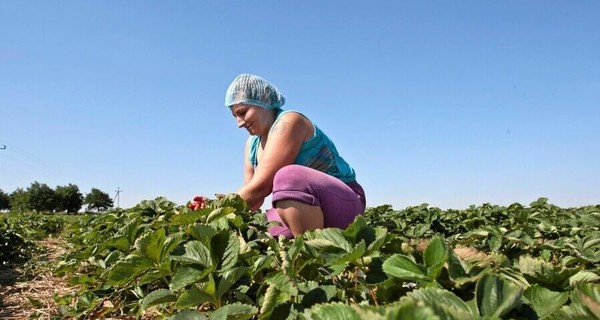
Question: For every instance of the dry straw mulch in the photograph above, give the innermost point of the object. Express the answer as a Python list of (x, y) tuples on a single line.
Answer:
[(32, 298)]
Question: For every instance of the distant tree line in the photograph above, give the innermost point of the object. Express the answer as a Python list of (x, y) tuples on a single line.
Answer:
[(41, 198)]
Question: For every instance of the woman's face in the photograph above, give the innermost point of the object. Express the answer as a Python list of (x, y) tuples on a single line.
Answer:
[(255, 119)]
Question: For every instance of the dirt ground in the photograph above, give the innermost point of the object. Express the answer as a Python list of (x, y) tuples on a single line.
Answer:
[(26, 292)]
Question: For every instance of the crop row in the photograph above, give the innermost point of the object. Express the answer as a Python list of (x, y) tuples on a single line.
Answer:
[(18, 232), (159, 259)]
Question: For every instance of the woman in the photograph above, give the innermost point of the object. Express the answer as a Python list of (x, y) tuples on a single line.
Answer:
[(287, 155)]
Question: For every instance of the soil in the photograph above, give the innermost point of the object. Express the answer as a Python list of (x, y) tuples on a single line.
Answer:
[(26, 291)]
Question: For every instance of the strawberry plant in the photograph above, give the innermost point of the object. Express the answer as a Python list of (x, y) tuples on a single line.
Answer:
[(18, 232), (162, 260)]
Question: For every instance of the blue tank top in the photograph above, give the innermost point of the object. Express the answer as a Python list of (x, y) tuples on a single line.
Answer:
[(318, 153)]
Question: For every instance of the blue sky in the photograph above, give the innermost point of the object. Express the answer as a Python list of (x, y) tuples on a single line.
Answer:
[(450, 103)]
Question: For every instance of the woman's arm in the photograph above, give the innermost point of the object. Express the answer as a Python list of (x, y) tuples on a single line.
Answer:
[(249, 171), (281, 149)]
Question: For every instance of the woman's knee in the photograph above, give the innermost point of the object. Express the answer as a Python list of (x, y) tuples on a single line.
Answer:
[(290, 175), (299, 216)]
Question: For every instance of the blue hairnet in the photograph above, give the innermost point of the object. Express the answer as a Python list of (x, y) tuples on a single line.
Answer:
[(253, 90)]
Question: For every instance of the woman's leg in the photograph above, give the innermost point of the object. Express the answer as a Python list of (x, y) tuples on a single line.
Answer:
[(307, 199), (299, 216), (278, 230)]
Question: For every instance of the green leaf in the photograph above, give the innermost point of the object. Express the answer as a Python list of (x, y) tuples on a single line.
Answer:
[(278, 279), (261, 263), (170, 244), (188, 275), (150, 244), (410, 311), (359, 229), (219, 213), (495, 296), (112, 257), (513, 276), (228, 279), (402, 267), (232, 251), (157, 297), (270, 302), (333, 311), (235, 311), (281, 290), (187, 315), (329, 238), (223, 222), (130, 230), (353, 256), (197, 253), (289, 254), (442, 302), (150, 276), (550, 276), (380, 239), (194, 297), (87, 301), (188, 217), (127, 269), (121, 243), (201, 232), (435, 256), (583, 276), (544, 301), (495, 244), (457, 268), (316, 293), (590, 219), (226, 249), (232, 200)]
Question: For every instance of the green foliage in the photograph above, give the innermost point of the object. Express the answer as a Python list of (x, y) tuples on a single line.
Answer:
[(4, 200), (159, 259), (544, 301), (496, 297), (68, 198), (98, 200), (41, 197), (33, 226), (18, 232), (19, 201), (14, 248), (585, 304)]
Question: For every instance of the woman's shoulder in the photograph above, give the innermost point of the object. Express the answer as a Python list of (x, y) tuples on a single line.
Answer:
[(285, 113), (298, 121), (293, 115)]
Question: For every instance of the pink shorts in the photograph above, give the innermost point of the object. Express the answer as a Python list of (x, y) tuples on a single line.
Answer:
[(340, 202)]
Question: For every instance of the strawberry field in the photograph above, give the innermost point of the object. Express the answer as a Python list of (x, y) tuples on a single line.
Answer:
[(161, 260)]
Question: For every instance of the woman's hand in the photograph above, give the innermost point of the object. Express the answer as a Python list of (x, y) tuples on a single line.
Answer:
[(198, 202), (258, 205)]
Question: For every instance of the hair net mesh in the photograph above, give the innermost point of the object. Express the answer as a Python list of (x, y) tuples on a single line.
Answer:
[(253, 90)]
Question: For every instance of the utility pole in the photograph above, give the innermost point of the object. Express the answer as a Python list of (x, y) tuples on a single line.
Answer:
[(117, 196)]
